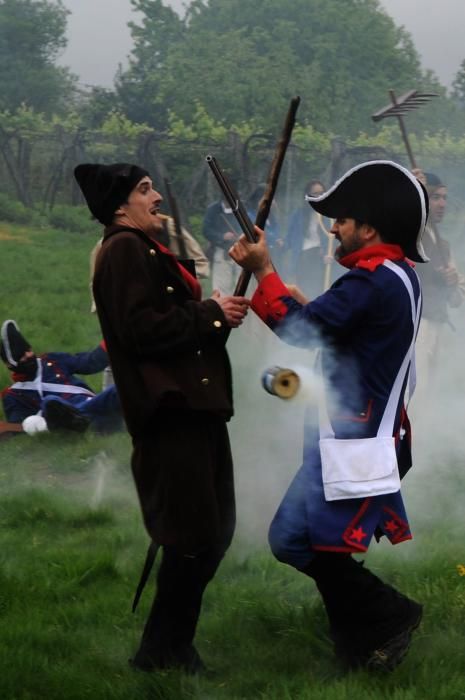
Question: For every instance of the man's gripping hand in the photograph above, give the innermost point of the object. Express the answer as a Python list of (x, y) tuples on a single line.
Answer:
[(253, 257), (234, 308)]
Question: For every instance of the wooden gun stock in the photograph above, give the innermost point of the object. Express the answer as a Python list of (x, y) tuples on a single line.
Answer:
[(7, 429), (271, 184)]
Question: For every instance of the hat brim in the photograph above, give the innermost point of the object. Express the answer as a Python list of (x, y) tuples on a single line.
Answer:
[(385, 195)]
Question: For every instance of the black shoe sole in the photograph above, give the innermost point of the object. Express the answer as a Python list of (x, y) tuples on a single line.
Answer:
[(392, 653), (190, 663)]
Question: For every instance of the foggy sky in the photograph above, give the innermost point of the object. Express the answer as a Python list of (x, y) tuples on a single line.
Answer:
[(99, 38)]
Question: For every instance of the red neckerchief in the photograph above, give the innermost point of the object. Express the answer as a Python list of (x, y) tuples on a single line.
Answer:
[(373, 256), (190, 280)]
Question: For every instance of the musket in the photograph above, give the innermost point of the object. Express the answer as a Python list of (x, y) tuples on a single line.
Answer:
[(177, 221), (232, 199), (266, 201), (268, 195)]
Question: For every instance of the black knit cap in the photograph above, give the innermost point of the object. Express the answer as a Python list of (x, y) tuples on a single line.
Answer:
[(106, 187), (13, 344), (384, 195)]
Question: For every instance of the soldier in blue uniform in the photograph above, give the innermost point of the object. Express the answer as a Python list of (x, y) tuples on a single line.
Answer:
[(358, 447), (46, 394)]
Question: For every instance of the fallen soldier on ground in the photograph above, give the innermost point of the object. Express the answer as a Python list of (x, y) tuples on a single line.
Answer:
[(46, 394)]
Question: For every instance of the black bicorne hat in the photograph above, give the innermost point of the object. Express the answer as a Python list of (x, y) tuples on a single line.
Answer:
[(384, 195), (13, 344), (106, 187)]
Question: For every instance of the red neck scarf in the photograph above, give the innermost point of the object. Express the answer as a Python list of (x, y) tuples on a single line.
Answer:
[(373, 256), (190, 280)]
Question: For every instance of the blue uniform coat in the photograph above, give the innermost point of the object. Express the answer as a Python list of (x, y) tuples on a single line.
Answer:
[(364, 326)]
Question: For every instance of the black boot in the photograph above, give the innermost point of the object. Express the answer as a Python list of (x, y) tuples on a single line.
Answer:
[(167, 641), (371, 623)]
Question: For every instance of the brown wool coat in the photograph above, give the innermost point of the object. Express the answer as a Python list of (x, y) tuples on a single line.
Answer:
[(166, 349)]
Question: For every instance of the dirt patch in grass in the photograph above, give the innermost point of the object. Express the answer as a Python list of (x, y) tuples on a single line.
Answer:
[(20, 235)]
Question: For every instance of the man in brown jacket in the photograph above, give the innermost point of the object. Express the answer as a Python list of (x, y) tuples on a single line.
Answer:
[(167, 352)]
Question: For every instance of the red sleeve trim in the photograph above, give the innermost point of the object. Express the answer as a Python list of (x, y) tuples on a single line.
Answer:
[(267, 301), (103, 345)]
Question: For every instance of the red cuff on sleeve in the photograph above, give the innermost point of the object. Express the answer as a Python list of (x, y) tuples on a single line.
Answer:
[(267, 300), (103, 345)]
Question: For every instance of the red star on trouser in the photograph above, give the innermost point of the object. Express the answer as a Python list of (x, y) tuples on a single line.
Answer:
[(391, 526), (358, 534)]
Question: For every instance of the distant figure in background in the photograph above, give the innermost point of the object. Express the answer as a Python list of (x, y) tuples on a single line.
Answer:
[(306, 246), (442, 285), (46, 394), (220, 229)]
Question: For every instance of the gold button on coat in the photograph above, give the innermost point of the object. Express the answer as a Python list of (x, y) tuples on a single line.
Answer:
[(152, 251), (205, 381), (217, 324), (170, 290)]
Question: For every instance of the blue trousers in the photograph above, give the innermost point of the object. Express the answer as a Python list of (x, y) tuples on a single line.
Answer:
[(305, 523), (103, 410)]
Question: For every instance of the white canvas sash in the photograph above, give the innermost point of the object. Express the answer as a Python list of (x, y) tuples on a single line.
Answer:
[(386, 425), (38, 385), (362, 467)]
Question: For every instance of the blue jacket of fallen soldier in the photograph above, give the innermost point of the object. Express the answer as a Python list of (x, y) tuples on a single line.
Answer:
[(54, 385)]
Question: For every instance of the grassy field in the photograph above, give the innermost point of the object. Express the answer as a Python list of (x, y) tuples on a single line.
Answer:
[(72, 543)]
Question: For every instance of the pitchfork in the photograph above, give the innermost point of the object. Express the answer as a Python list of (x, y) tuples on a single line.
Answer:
[(399, 108)]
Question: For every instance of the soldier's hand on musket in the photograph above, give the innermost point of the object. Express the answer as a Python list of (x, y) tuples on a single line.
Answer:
[(253, 257), (234, 308), (420, 175)]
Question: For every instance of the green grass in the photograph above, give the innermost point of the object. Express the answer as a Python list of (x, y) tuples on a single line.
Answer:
[(72, 542)]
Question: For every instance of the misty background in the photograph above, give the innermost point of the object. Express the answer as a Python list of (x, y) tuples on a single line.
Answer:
[(152, 114), (436, 28)]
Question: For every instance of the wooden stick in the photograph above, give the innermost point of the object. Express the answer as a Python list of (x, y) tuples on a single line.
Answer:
[(9, 428), (271, 185), (403, 131)]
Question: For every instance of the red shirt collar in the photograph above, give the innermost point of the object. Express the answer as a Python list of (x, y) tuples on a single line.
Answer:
[(191, 281), (373, 256)]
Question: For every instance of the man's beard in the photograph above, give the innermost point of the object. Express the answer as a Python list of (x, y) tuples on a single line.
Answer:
[(351, 247)]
